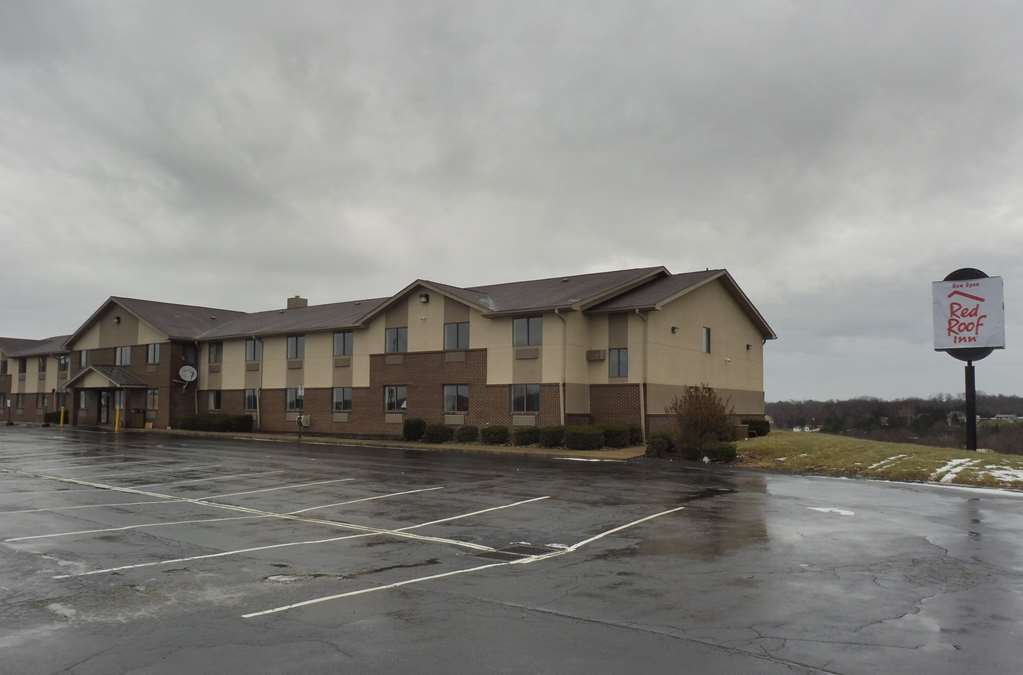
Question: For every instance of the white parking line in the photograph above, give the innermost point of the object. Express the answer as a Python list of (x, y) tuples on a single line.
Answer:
[(279, 487), (417, 580), (91, 506), (165, 469), (372, 532), (207, 520), (211, 478)]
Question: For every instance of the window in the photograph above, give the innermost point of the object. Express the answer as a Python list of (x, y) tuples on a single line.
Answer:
[(527, 332), (214, 400), (61, 399), (19, 402), (3, 367), (62, 362), (83, 400), (152, 399), (153, 354), (456, 398), (396, 340), (251, 399), (3, 400), (120, 399), (706, 340), (395, 398), (342, 399), (618, 362), (296, 347), (253, 350), (22, 365), (525, 398), (216, 351), (83, 358), (456, 336), (343, 343), (42, 365), (296, 399), (41, 401), (122, 356)]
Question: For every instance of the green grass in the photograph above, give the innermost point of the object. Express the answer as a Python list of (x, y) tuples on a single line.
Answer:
[(831, 455)]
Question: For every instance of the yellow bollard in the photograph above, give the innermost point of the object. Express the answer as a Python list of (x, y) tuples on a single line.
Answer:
[(117, 420), (61, 417)]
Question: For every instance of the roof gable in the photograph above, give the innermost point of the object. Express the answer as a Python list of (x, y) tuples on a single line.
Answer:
[(313, 318), (177, 322)]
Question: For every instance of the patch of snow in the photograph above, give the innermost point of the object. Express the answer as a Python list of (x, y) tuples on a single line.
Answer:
[(1005, 474), (952, 467), (561, 546), (780, 459), (587, 459), (65, 611), (832, 509), (886, 462)]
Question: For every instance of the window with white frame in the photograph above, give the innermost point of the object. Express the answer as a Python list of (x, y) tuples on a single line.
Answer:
[(342, 399), (456, 398), (83, 358), (618, 362), (526, 398), (215, 400), (251, 399), (152, 399), (153, 354), (706, 340), (296, 347), (395, 398), (215, 351), (120, 399), (296, 399), (253, 349), (42, 365), (527, 332), (396, 340), (456, 336), (343, 343), (122, 356), (83, 400)]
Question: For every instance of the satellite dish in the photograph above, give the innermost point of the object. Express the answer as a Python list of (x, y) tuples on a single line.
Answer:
[(188, 373)]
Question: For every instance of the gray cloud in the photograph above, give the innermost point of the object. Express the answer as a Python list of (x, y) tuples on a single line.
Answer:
[(836, 157)]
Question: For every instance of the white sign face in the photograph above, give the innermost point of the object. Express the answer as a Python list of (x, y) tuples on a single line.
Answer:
[(968, 314)]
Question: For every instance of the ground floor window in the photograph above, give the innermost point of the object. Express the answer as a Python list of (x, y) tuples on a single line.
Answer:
[(19, 402), (342, 399), (251, 400), (120, 399), (296, 399), (61, 400), (41, 401), (152, 399), (526, 398), (83, 400), (215, 400), (456, 398), (395, 398), (3, 400), (618, 362)]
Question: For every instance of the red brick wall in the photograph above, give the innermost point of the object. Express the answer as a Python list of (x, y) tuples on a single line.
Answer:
[(614, 403)]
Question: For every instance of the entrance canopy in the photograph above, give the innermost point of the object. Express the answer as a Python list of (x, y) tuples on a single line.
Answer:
[(106, 377)]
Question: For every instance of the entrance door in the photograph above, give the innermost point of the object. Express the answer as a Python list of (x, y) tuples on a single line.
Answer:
[(104, 407)]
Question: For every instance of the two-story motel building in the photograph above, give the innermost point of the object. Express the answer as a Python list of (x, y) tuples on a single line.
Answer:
[(610, 347)]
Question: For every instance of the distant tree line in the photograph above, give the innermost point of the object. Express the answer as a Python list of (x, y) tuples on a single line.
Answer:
[(936, 420)]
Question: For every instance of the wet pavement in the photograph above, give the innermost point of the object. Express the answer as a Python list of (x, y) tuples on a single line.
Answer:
[(319, 558)]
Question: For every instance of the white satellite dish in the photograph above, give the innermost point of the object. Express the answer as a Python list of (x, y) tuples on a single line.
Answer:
[(188, 373)]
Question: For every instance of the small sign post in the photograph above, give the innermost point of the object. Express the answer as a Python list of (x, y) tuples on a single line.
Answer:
[(969, 323)]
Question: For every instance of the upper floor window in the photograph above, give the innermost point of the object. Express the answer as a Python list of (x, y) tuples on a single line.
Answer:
[(215, 399), (396, 340), (618, 362), (62, 362), (122, 356), (456, 398), (22, 365), (153, 354), (343, 343), (456, 336), (342, 399), (395, 398), (253, 349), (83, 358), (296, 399), (296, 347), (215, 352), (3, 367), (526, 398), (706, 340), (527, 332), (42, 365)]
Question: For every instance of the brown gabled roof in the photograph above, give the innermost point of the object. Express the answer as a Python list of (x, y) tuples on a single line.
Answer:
[(313, 318), (177, 322), (9, 345), (656, 294), (51, 345), (116, 375)]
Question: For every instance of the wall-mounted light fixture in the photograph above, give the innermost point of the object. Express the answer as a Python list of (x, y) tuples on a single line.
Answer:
[(424, 298), (117, 319), (674, 330), (749, 347)]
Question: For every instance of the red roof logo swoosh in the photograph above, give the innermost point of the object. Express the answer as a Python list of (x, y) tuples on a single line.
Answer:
[(966, 295)]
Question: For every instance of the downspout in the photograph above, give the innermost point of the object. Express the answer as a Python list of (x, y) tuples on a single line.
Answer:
[(564, 356), (259, 392), (195, 390), (642, 384)]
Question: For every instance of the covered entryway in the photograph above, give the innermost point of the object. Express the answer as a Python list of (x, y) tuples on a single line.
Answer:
[(105, 395)]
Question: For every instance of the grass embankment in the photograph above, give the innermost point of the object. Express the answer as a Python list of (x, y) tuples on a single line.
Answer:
[(831, 455)]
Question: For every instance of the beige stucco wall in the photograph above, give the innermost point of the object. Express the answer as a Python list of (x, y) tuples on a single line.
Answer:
[(31, 383), (232, 365), (275, 362), (105, 332), (51, 373), (319, 360), (494, 335), (149, 335), (678, 359), (638, 334), (369, 340), (425, 321)]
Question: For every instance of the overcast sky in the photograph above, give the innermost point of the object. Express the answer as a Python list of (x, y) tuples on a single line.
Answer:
[(835, 157)]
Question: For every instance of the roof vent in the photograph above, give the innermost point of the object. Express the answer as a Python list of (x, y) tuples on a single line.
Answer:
[(297, 301), (213, 317), (565, 280)]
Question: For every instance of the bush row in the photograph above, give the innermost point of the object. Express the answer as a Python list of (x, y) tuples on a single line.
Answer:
[(662, 443), (216, 423), (573, 437)]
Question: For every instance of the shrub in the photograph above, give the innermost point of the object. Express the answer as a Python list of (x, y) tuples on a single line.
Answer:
[(616, 436), (725, 452), (702, 420), (584, 438), (659, 443), (526, 436), (224, 423), (413, 428), (496, 435), (635, 434), (438, 433), (757, 427), (552, 437), (467, 434)]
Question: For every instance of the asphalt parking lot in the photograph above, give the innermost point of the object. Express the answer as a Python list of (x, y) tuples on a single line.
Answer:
[(155, 553)]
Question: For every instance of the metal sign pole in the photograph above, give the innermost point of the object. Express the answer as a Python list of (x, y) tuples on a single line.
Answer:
[(971, 407)]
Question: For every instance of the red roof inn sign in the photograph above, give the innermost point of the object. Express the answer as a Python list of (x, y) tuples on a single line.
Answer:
[(969, 314)]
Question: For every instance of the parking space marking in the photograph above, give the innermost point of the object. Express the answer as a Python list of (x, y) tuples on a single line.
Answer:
[(208, 520), (92, 506), (479, 568), (211, 478), (279, 487), (95, 466), (373, 532), (164, 469)]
